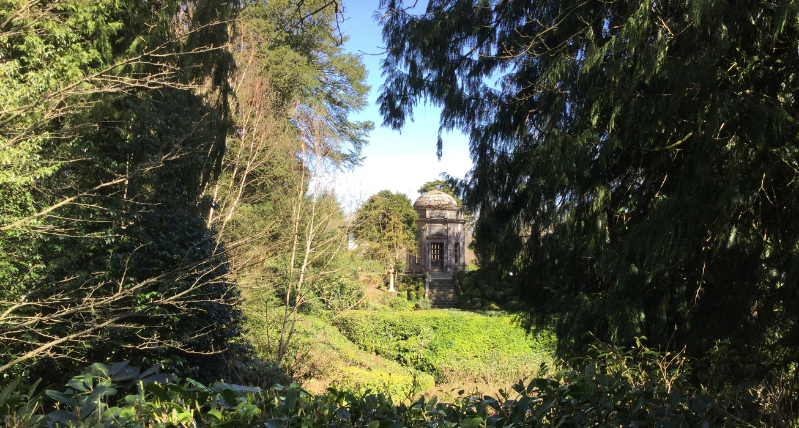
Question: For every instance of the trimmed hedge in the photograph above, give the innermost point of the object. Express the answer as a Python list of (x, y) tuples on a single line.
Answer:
[(451, 345)]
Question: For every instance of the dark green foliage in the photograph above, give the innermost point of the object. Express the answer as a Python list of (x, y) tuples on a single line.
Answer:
[(452, 346), (610, 387), (635, 162), (89, 393), (300, 50), (113, 143), (385, 227), (467, 283), (446, 186)]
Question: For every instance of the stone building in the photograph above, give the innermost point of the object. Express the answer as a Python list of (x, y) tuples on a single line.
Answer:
[(442, 234)]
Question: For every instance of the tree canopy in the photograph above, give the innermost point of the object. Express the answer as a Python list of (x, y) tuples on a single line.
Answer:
[(385, 227), (136, 138), (297, 45), (446, 186), (635, 162), (107, 142)]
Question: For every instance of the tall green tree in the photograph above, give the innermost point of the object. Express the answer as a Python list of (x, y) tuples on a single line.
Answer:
[(113, 120), (294, 90), (385, 229), (297, 44), (446, 186), (635, 162)]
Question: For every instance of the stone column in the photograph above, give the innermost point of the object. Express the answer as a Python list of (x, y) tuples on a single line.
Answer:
[(391, 280)]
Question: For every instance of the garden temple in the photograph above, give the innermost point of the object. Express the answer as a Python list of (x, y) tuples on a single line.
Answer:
[(442, 234)]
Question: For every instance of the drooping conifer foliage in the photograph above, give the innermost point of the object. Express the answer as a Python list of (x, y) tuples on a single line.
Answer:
[(636, 162)]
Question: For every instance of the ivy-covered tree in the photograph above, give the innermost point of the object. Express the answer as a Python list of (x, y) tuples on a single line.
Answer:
[(385, 229), (113, 120), (635, 162)]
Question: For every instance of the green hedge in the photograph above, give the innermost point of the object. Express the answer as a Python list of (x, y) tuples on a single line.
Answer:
[(398, 383), (451, 345), (325, 354)]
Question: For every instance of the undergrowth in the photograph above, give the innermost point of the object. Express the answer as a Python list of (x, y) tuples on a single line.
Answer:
[(453, 346), (320, 356), (609, 387)]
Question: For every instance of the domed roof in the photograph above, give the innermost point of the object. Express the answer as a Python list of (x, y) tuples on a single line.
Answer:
[(436, 199)]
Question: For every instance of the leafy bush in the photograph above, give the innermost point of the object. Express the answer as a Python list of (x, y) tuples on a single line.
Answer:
[(450, 345), (608, 387), (321, 356), (411, 295), (468, 284), (516, 306), (398, 385), (398, 303)]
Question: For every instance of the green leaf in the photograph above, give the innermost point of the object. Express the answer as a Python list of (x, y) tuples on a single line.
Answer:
[(215, 413), (158, 391)]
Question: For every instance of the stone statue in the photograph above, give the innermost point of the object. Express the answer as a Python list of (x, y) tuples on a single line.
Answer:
[(426, 284)]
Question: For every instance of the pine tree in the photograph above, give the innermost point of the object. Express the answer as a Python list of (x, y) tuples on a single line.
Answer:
[(635, 162)]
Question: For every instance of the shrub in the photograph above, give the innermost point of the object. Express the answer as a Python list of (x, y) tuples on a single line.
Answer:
[(475, 293), (411, 295), (468, 284), (398, 303), (492, 307), (450, 345), (515, 306), (396, 385), (607, 387)]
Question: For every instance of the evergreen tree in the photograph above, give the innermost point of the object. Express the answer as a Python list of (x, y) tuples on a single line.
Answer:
[(385, 228), (298, 46), (635, 162), (447, 186)]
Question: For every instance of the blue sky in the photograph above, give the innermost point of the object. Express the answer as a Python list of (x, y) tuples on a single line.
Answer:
[(400, 162)]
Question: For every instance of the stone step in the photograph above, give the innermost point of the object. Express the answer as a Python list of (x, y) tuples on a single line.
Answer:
[(443, 293)]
